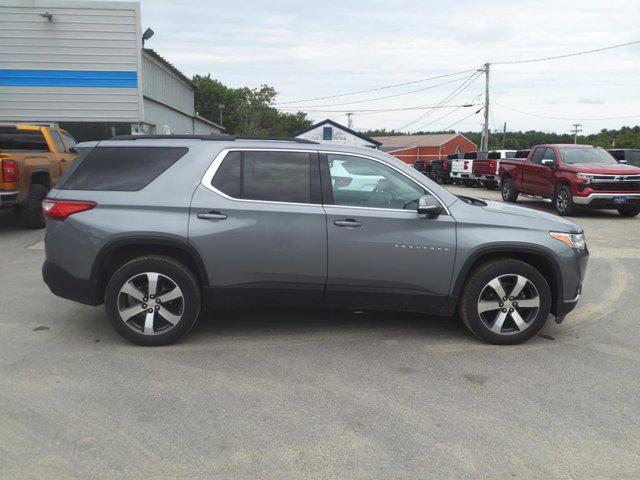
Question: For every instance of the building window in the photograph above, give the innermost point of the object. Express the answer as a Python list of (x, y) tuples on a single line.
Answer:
[(327, 133)]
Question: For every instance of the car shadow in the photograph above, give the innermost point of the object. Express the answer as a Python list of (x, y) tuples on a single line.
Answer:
[(298, 322), (547, 206)]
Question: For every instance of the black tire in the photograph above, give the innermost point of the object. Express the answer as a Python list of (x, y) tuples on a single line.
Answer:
[(30, 213), (563, 201), (629, 211), (477, 284), (509, 192), (189, 304)]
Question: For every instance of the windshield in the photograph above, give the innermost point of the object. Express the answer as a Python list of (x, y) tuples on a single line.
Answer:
[(586, 155)]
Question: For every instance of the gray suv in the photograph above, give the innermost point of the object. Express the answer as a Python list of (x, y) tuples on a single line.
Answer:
[(161, 228)]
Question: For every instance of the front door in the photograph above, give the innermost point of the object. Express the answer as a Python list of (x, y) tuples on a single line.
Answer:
[(382, 254), (538, 178), (260, 228)]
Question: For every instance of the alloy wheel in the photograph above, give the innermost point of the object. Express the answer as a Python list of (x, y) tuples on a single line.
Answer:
[(508, 304), (562, 201), (506, 190), (150, 303)]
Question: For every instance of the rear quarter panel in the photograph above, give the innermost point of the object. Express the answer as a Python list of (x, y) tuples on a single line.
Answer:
[(161, 210), (513, 168)]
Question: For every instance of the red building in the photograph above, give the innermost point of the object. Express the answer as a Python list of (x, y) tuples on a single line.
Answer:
[(410, 148)]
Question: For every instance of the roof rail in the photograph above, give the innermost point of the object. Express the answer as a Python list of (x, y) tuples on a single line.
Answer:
[(215, 137)]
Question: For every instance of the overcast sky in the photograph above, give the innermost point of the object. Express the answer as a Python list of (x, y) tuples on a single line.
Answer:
[(314, 49)]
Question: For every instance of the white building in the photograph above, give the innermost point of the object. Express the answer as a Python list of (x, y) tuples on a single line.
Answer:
[(328, 131), (84, 61)]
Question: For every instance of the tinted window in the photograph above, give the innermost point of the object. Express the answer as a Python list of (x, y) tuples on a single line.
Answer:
[(522, 153), (493, 156), (361, 182), (634, 157), (269, 176), (57, 141), (14, 139), (122, 168), (617, 154), (537, 155), (69, 141), (277, 176), (227, 177)]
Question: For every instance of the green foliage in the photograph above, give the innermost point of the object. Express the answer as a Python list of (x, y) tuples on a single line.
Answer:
[(247, 111), (625, 137)]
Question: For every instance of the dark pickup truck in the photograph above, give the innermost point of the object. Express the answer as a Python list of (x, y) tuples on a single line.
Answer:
[(573, 176), (630, 156)]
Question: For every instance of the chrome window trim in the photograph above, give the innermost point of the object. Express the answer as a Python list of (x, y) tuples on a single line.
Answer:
[(207, 178)]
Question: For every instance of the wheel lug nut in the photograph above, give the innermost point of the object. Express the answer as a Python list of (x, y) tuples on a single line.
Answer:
[(150, 310), (145, 299), (157, 307), (504, 310), (152, 296), (511, 309), (144, 305), (501, 304)]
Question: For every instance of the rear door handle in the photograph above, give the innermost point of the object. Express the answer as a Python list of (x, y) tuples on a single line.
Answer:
[(349, 222), (212, 216)]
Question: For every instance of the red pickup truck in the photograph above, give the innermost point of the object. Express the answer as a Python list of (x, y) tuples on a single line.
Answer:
[(573, 176)]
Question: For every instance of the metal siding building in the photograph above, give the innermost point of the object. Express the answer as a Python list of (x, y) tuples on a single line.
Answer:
[(82, 61)]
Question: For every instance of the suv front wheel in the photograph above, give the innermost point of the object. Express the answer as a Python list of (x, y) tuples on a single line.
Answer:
[(153, 300), (505, 302)]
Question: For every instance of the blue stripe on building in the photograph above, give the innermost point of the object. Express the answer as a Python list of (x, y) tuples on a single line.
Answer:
[(67, 78)]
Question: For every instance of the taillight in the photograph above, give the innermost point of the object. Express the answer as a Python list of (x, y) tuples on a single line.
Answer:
[(61, 209), (444, 165), (466, 165), (9, 171)]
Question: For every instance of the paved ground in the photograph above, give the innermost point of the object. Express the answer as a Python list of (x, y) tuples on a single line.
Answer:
[(322, 395)]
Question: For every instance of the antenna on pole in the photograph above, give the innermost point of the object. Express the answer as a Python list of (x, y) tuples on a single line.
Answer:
[(349, 122), (576, 130)]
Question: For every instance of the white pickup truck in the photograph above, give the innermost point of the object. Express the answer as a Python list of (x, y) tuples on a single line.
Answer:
[(462, 168)]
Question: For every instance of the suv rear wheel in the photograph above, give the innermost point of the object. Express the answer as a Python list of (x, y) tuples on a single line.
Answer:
[(505, 302), (153, 300)]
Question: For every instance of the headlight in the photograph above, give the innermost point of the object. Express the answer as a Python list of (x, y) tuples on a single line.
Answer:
[(585, 176), (573, 240)]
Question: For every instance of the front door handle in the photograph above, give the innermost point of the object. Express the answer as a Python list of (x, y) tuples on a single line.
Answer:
[(212, 216), (349, 222)]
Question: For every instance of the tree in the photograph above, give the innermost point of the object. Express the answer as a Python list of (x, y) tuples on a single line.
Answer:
[(248, 111)]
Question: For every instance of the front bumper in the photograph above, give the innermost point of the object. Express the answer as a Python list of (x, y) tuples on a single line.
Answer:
[(573, 267), (608, 200), (8, 198), (65, 285)]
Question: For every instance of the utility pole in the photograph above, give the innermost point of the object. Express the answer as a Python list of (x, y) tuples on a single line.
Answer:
[(504, 133), (349, 123), (485, 130), (576, 130)]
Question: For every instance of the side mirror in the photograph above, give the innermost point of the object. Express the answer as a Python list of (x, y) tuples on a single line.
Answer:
[(73, 150), (547, 162), (428, 205)]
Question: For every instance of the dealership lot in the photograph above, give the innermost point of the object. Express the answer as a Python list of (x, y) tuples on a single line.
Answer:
[(314, 394)]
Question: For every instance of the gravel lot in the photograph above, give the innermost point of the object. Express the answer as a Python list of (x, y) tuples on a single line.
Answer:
[(310, 394)]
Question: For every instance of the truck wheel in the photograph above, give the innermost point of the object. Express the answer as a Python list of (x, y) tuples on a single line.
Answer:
[(505, 302), (509, 193), (564, 201), (31, 212), (629, 211), (153, 300)]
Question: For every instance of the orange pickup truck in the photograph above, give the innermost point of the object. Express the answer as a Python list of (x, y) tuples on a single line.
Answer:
[(32, 158)]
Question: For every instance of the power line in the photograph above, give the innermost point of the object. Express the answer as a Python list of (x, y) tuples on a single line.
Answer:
[(462, 119), (384, 87), (567, 54), (459, 89), (565, 118), (379, 98), (368, 110)]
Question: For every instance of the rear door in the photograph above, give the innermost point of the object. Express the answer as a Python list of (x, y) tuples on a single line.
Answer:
[(258, 223), (382, 254)]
